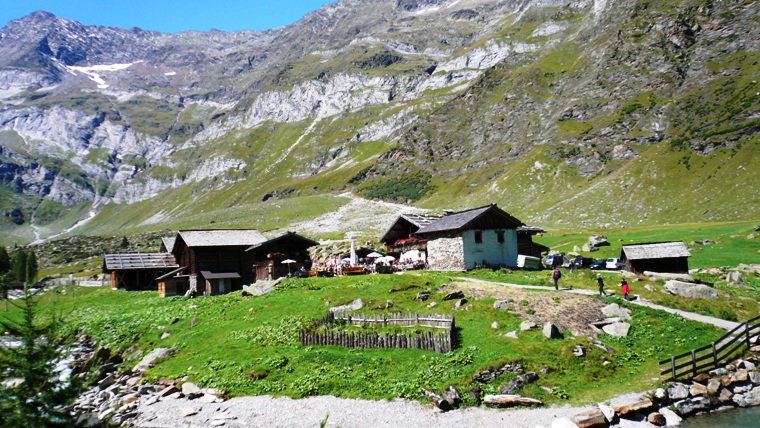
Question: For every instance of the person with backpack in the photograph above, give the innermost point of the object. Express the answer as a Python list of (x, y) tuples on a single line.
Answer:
[(600, 284), (556, 275), (625, 289)]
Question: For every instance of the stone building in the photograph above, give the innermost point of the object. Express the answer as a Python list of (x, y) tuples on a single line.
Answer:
[(463, 240)]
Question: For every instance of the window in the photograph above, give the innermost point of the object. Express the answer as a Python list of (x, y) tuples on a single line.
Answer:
[(500, 236), (478, 237)]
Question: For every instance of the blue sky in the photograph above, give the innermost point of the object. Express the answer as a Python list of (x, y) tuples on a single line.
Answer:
[(169, 16)]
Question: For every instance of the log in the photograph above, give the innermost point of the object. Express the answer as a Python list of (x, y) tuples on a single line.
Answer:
[(436, 399), (509, 400)]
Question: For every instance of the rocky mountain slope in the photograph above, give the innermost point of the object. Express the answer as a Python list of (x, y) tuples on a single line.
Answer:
[(581, 113)]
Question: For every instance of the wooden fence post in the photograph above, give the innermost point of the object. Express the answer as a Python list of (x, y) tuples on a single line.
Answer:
[(715, 356), (693, 363), (746, 333)]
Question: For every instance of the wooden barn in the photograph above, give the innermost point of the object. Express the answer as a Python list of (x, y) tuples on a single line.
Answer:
[(666, 257), (137, 271), (215, 261), (269, 256), (465, 239), (402, 235)]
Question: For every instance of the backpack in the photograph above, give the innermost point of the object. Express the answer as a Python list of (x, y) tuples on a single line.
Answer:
[(557, 274)]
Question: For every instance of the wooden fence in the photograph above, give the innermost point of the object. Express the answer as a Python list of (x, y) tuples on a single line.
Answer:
[(711, 356), (439, 342), (396, 319)]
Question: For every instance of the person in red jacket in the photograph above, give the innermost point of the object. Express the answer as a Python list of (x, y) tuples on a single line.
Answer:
[(625, 289)]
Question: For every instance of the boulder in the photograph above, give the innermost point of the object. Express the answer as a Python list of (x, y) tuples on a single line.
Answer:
[(551, 331), (660, 395), (692, 405), (528, 325), (598, 241), (607, 411), (713, 386), (683, 277), (615, 310), (500, 304), (507, 400), (725, 395), (422, 296), (518, 383), (619, 329), (638, 406), (588, 248), (494, 325), (148, 360), (459, 304), (189, 411), (511, 334), (454, 295), (563, 423), (451, 394), (740, 375), (749, 399), (591, 419), (697, 291), (754, 377), (389, 304), (671, 417), (169, 390), (678, 391), (656, 418), (191, 390), (697, 389), (353, 306), (735, 277)]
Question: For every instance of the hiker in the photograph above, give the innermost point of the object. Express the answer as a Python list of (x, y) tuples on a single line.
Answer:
[(600, 283), (625, 289), (556, 275)]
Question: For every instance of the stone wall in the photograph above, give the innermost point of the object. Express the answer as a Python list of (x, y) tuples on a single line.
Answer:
[(446, 253)]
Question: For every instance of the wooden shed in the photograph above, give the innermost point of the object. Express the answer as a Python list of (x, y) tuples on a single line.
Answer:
[(666, 257), (137, 271), (217, 257)]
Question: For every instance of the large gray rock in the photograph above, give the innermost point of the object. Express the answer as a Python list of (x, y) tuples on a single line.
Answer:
[(551, 331), (500, 304), (689, 406), (683, 277), (598, 241), (750, 399), (353, 306), (696, 291), (148, 361), (671, 417), (735, 277), (619, 329), (191, 390), (678, 391), (528, 325), (615, 310)]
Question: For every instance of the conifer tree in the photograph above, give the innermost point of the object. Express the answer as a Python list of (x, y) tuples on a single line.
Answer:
[(31, 393)]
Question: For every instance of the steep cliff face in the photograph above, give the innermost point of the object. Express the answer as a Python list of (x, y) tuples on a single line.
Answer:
[(546, 107)]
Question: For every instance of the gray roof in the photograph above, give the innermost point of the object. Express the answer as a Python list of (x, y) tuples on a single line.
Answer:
[(221, 238), (168, 242), (139, 261), (421, 220), (531, 230), (290, 235), (460, 220), (656, 250), (219, 275)]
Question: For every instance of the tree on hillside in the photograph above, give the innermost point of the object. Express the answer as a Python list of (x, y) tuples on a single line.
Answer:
[(124, 242), (18, 265), (30, 273), (31, 393), (5, 261)]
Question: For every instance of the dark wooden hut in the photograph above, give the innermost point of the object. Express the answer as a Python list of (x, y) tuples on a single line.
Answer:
[(269, 256), (667, 257), (137, 271)]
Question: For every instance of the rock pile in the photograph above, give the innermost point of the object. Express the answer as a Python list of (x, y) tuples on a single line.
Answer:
[(114, 398), (735, 385)]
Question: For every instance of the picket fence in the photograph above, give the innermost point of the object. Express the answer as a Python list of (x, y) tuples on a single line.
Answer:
[(439, 342)]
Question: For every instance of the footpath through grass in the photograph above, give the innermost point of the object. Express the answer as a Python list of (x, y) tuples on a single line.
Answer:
[(249, 345)]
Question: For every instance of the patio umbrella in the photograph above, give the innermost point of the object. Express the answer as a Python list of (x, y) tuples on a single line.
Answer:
[(374, 254), (353, 255), (288, 262)]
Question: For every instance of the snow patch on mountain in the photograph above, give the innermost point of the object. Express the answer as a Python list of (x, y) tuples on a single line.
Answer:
[(93, 72)]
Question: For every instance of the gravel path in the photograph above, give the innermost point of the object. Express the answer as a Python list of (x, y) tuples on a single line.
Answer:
[(265, 411)]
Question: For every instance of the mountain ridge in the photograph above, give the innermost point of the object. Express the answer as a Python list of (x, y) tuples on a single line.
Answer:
[(547, 108)]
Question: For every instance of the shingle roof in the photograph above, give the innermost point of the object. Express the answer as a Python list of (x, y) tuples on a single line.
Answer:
[(139, 261), (460, 220), (168, 242), (289, 235), (221, 238), (420, 220), (655, 250)]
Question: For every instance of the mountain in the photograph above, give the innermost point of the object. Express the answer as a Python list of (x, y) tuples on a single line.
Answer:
[(565, 113)]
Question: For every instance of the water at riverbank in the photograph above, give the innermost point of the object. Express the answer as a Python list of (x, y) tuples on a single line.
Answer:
[(739, 418)]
